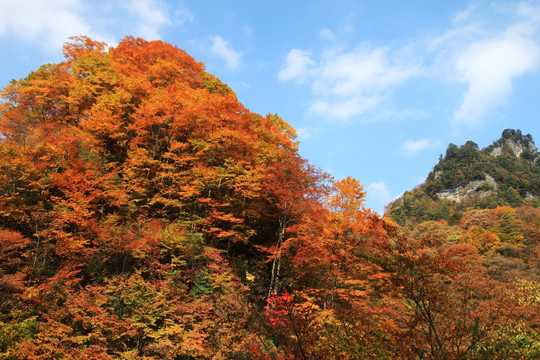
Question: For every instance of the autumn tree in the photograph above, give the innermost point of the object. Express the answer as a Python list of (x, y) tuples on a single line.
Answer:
[(133, 184)]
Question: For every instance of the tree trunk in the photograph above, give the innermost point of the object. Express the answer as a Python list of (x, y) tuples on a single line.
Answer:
[(276, 262)]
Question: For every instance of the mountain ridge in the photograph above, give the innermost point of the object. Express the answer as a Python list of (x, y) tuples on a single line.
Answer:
[(507, 172)]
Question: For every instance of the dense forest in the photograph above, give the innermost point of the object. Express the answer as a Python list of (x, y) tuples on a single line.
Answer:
[(506, 173), (145, 213)]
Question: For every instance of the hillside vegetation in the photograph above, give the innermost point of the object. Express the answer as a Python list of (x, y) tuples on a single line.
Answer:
[(506, 173), (145, 213), (488, 198)]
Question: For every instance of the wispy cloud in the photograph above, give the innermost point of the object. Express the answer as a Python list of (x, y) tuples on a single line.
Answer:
[(224, 51), (364, 70), (305, 133), (488, 67), (379, 193), (152, 15), (464, 15), (345, 108), (298, 66), (412, 147), (485, 53), (327, 34), (488, 61), (48, 23), (183, 16), (51, 23), (345, 83)]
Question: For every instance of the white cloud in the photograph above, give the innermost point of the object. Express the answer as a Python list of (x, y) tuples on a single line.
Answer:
[(464, 15), (412, 147), (183, 16), (346, 84), (49, 23), (346, 108), (222, 49), (361, 71), (486, 47), (326, 33), (305, 133), (152, 16), (488, 68), (298, 66), (487, 56), (378, 191)]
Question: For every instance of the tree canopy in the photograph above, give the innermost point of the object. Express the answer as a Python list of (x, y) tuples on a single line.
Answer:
[(145, 213)]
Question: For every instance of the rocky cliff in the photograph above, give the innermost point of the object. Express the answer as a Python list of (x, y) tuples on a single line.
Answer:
[(479, 188)]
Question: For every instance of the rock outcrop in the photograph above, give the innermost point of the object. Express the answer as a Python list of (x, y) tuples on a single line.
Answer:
[(470, 189), (517, 147)]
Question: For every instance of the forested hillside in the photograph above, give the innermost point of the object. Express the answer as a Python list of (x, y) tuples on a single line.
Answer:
[(488, 198), (506, 173), (145, 213)]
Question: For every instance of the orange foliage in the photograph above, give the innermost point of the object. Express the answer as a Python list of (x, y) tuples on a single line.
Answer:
[(146, 213)]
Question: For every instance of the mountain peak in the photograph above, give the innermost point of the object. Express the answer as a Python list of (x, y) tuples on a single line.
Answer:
[(506, 173), (517, 143)]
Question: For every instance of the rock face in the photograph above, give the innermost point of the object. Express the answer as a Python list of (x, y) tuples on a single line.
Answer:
[(497, 151), (516, 142), (471, 189), (517, 147)]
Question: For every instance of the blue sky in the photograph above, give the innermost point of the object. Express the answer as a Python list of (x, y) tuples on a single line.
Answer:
[(375, 89)]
